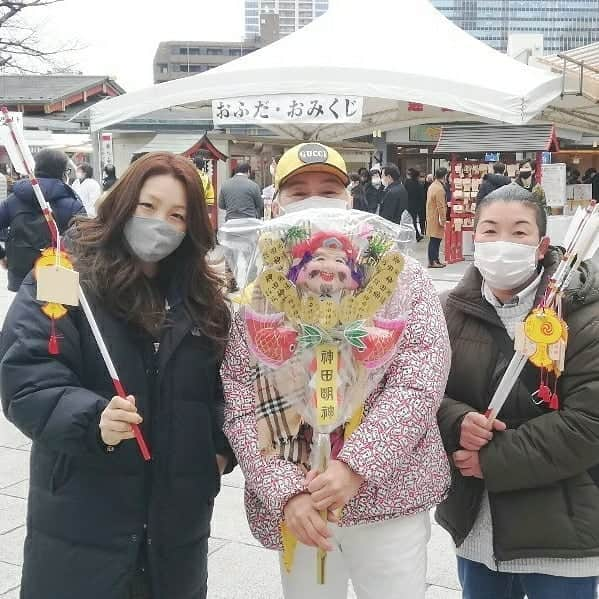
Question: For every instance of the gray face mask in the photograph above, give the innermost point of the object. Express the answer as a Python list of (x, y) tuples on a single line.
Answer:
[(151, 239)]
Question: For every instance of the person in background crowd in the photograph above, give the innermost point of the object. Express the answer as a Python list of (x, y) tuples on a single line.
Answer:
[(71, 172), (268, 193), (28, 232), (375, 177), (572, 176), (87, 188), (416, 202), (447, 187), (3, 183), (109, 178), (428, 181), (523, 509), (357, 193), (102, 523), (202, 167), (389, 472), (591, 177), (240, 196), (436, 215), (422, 212), (395, 198), (493, 181), (372, 191), (526, 179)]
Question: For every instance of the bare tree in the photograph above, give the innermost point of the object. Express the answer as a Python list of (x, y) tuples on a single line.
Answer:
[(21, 49)]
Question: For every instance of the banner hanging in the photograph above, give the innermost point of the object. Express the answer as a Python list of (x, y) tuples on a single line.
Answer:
[(282, 108)]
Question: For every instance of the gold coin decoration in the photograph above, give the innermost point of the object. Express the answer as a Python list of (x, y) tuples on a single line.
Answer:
[(347, 309), (309, 312), (329, 314), (292, 306), (279, 291), (380, 288), (274, 253)]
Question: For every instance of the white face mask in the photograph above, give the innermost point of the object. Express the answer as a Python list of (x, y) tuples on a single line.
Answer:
[(313, 202), (504, 265)]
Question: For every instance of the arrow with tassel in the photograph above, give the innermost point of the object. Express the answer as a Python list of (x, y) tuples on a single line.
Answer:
[(542, 337), (11, 136)]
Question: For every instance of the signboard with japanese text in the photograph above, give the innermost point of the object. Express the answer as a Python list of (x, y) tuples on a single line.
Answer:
[(554, 184), (106, 149), (283, 108)]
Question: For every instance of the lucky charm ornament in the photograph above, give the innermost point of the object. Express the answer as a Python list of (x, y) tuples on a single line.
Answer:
[(328, 303), (542, 337)]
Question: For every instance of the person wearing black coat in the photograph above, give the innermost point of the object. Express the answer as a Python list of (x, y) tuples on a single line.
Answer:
[(21, 215), (395, 199), (416, 202), (371, 183), (102, 523), (356, 189), (109, 178), (493, 181), (591, 177)]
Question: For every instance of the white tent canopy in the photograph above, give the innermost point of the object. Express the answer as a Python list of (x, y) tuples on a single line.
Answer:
[(401, 52), (579, 107)]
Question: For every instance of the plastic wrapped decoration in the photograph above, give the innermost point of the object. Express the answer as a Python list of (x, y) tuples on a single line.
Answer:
[(327, 280), (238, 238), (326, 314)]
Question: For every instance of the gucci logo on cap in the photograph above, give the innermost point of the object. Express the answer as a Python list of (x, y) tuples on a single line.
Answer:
[(313, 153)]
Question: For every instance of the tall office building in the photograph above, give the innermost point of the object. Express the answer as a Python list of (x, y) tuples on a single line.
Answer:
[(293, 14), (564, 24)]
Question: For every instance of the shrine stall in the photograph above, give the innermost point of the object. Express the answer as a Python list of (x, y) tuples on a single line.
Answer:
[(471, 151)]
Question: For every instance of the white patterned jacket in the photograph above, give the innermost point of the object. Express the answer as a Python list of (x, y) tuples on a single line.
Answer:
[(397, 448)]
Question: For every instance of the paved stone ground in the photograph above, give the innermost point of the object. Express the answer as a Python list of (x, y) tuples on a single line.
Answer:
[(239, 568)]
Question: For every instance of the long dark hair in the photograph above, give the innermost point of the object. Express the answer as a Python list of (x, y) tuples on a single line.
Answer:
[(110, 270)]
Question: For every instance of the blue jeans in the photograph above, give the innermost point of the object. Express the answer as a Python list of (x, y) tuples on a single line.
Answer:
[(434, 245), (478, 582)]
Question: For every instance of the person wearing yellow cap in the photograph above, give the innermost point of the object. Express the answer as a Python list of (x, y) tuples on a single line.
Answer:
[(389, 466), (307, 171)]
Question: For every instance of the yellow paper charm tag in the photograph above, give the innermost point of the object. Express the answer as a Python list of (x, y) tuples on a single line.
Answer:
[(327, 374)]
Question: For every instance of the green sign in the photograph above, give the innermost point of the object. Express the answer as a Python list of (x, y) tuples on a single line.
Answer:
[(425, 133)]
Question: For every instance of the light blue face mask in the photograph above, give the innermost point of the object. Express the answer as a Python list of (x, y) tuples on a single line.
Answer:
[(152, 239)]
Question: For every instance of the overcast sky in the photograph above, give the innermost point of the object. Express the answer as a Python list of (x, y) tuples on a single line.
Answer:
[(120, 36)]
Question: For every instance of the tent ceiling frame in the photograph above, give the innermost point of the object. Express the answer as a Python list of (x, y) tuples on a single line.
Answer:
[(580, 116)]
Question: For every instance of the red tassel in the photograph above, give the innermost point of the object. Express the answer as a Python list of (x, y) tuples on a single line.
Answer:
[(554, 403), (544, 390), (53, 348), (544, 393)]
